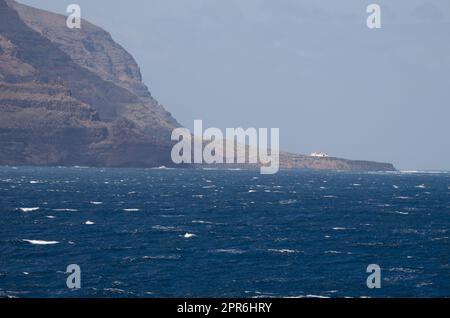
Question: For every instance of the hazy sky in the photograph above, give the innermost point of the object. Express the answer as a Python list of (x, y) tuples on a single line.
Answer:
[(311, 68)]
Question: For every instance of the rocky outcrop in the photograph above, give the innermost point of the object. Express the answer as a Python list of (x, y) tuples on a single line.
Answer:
[(76, 97), (295, 161)]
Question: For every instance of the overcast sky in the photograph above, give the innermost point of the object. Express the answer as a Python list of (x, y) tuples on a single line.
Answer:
[(310, 67)]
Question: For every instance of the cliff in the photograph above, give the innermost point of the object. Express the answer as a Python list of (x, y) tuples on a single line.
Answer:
[(73, 97), (76, 97)]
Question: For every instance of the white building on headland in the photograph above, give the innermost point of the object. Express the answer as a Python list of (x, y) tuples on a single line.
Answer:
[(319, 154)]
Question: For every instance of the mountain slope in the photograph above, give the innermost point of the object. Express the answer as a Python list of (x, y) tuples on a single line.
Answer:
[(56, 112), (75, 97)]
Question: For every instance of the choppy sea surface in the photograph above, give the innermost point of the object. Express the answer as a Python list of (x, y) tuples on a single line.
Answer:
[(223, 233)]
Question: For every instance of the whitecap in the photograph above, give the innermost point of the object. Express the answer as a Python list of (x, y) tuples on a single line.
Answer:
[(114, 290), (445, 238), (340, 228), (316, 296), (40, 242), (330, 196), (283, 251), (164, 228), (202, 222), (96, 202), (229, 251), (131, 210), (404, 270), (421, 186), (162, 168), (189, 235), (167, 216), (50, 217), (420, 285), (402, 213), (65, 210), (89, 223), (163, 257), (291, 201), (308, 296), (29, 209)]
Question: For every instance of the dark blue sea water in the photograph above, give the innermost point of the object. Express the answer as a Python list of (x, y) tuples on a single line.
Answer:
[(202, 233)]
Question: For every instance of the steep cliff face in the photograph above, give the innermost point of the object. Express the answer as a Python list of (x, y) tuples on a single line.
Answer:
[(73, 109), (75, 97), (93, 49)]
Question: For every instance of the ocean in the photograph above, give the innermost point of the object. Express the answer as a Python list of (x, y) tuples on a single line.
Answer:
[(223, 233)]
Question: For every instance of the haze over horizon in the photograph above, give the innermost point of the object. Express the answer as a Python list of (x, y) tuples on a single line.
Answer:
[(311, 68)]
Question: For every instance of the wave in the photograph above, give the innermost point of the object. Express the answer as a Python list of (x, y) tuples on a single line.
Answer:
[(202, 222), (28, 209), (229, 251), (333, 252), (308, 296), (165, 228), (285, 202), (424, 171), (341, 228), (163, 257), (36, 182), (162, 168), (40, 242), (402, 213), (283, 251)]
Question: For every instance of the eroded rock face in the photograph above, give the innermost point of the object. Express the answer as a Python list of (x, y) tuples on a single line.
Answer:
[(93, 49), (75, 97)]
